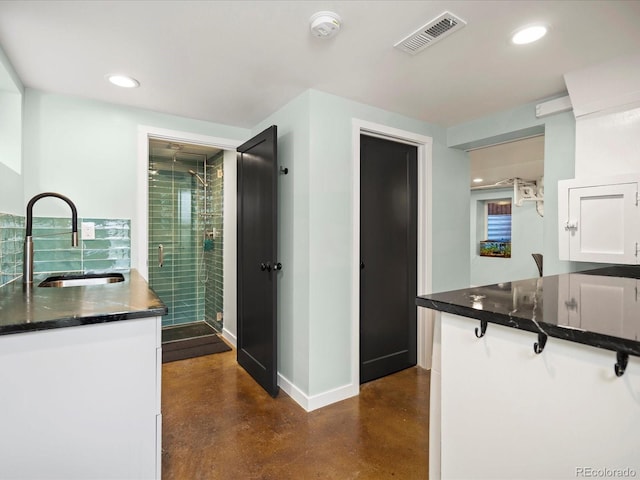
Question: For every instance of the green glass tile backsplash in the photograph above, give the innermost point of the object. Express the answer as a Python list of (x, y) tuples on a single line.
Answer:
[(11, 241), (53, 253)]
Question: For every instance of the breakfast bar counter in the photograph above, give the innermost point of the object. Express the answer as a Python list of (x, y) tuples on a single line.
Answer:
[(537, 378)]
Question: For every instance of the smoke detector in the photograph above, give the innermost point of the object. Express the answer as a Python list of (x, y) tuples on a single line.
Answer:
[(430, 33), (325, 24)]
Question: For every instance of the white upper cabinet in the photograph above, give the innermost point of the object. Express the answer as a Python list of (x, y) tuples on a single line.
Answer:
[(599, 219), (598, 210)]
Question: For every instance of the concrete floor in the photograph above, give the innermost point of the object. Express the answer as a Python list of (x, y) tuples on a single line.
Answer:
[(218, 424)]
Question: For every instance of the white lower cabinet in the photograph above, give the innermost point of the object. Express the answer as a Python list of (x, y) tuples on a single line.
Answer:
[(599, 220), (504, 412), (81, 402)]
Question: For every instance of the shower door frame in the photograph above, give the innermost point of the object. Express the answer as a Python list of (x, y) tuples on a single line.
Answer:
[(140, 228)]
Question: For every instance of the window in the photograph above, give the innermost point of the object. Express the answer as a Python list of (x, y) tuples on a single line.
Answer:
[(498, 229), (499, 221)]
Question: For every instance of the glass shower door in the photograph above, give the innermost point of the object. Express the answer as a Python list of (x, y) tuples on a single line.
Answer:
[(174, 240)]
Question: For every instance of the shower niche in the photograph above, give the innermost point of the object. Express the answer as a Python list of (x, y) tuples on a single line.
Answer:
[(185, 251)]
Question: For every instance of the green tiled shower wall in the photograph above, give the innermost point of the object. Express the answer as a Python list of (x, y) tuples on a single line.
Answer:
[(213, 257), (178, 225), (52, 251)]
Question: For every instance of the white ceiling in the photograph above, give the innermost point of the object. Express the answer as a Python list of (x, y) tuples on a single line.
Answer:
[(522, 159), (181, 151), (236, 62)]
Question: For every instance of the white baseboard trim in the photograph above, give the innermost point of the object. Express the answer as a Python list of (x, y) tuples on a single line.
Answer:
[(230, 337), (310, 403)]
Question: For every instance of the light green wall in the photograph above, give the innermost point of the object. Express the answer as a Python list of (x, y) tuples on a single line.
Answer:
[(11, 182), (316, 213), (293, 121), (559, 155), (88, 151), (451, 173), (331, 193), (11, 192), (11, 130), (559, 164), (512, 124)]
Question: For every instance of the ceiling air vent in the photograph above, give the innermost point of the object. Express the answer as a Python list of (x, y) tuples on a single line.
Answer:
[(428, 34)]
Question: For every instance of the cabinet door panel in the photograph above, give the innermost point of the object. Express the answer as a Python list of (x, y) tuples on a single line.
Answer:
[(605, 223), (80, 402)]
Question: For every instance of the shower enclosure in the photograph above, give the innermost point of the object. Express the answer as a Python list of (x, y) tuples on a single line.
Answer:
[(185, 231)]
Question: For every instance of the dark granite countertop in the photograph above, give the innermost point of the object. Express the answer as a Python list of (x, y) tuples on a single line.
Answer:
[(598, 307), (43, 308)]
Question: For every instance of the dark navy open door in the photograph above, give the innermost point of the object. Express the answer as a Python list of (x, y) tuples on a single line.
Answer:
[(257, 258)]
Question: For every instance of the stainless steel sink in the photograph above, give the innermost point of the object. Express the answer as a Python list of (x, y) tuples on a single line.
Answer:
[(82, 280)]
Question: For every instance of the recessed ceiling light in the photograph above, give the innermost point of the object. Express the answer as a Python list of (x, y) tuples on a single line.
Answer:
[(529, 34), (477, 180), (123, 81)]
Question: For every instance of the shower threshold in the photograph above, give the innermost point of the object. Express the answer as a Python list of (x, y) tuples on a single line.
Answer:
[(186, 331), (190, 340)]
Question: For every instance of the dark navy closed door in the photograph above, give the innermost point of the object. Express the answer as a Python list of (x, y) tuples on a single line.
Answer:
[(388, 249)]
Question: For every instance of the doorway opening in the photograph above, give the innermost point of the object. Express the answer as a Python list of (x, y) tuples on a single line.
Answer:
[(509, 175), (186, 209), (424, 263), (186, 232)]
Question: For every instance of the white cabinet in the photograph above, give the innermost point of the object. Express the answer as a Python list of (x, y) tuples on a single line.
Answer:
[(504, 412), (82, 402), (599, 219)]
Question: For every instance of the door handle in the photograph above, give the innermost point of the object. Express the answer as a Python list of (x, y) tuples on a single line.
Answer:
[(265, 266), (160, 255)]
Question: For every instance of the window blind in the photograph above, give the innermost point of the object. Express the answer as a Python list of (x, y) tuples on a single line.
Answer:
[(499, 221)]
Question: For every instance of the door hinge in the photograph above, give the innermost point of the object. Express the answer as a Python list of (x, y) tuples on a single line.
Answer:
[(636, 249), (637, 197)]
